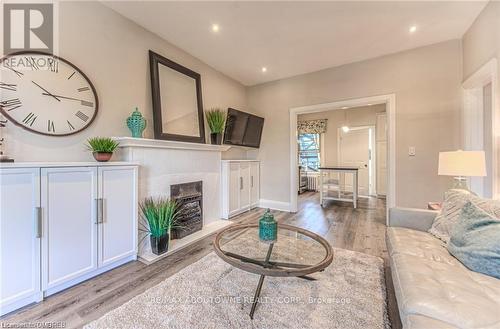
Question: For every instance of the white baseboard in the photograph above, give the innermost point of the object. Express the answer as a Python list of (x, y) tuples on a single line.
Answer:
[(275, 205)]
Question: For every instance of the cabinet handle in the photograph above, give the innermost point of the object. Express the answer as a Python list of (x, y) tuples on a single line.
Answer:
[(251, 181), (241, 183), (101, 209), (38, 222)]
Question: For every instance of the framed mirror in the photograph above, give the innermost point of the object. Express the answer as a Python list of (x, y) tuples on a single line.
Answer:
[(177, 101)]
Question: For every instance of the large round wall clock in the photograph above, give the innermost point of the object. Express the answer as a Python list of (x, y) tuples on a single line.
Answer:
[(46, 94)]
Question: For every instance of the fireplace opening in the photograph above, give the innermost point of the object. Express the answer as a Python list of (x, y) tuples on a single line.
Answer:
[(189, 198)]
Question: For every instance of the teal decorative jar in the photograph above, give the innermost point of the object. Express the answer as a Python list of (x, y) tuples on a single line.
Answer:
[(136, 123), (268, 228)]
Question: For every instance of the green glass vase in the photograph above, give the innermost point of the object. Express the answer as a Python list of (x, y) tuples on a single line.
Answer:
[(268, 228), (136, 123)]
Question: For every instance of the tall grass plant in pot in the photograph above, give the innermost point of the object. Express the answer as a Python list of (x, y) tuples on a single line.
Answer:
[(102, 148), (160, 215), (216, 119)]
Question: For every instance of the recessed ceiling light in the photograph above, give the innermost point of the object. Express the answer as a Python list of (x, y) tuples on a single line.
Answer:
[(345, 129), (413, 29), (215, 27), (345, 108), (370, 104), (264, 69)]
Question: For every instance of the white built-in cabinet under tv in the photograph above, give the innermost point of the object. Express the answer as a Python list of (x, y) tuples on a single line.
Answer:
[(240, 186), (62, 223)]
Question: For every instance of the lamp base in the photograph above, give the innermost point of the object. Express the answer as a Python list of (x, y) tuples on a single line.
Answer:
[(460, 183)]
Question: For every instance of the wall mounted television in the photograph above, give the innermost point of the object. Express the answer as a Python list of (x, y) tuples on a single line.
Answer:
[(243, 129)]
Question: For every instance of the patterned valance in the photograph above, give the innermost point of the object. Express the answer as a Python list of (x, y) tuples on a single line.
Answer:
[(312, 126)]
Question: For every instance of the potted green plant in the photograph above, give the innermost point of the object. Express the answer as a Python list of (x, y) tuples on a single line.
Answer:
[(216, 119), (102, 147), (160, 215)]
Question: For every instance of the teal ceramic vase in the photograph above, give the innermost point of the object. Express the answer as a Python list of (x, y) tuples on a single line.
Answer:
[(136, 123), (268, 228)]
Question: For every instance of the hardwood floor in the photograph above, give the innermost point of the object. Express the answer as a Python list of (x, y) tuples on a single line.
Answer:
[(361, 229)]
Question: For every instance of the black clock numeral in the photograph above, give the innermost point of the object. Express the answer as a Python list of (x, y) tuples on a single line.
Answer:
[(70, 125), (50, 126), (32, 61), (30, 119), (83, 89), (72, 74), (53, 65), (8, 86), (10, 104), (85, 103), (82, 116), (19, 74)]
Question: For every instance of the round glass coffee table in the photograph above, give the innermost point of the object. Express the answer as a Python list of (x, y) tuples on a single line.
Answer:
[(297, 252)]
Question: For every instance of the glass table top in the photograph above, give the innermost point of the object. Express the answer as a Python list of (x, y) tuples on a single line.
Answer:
[(296, 252)]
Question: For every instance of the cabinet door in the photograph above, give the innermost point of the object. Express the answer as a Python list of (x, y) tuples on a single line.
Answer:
[(244, 185), (69, 241), (117, 230), (19, 241), (234, 188), (254, 184)]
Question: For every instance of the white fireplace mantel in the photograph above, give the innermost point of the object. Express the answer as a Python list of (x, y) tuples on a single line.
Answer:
[(164, 144), (165, 163)]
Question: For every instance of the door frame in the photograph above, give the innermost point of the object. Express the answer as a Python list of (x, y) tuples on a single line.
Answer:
[(388, 99), (472, 121), (371, 155)]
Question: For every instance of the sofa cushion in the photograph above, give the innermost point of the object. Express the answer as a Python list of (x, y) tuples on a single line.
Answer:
[(419, 244), (454, 200), (475, 240), (422, 321), (448, 293), (453, 204)]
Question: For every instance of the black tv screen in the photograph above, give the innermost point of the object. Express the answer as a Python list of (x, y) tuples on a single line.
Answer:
[(243, 129)]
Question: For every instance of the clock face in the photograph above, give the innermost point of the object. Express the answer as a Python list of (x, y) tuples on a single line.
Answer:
[(46, 94)]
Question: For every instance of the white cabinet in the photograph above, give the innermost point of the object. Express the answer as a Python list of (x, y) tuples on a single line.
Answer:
[(240, 181), (254, 184), (19, 238), (61, 225), (244, 186), (69, 234), (117, 233)]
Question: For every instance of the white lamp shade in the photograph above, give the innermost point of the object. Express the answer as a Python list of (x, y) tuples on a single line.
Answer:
[(462, 163)]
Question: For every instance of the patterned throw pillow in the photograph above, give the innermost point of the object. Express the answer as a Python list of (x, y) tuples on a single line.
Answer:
[(474, 240), (454, 201)]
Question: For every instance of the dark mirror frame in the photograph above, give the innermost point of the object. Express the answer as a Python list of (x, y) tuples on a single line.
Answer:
[(155, 60)]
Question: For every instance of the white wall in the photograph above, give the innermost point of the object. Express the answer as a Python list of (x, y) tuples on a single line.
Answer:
[(426, 82), (113, 52)]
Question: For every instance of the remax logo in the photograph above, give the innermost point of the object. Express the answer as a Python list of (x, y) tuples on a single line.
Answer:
[(28, 26)]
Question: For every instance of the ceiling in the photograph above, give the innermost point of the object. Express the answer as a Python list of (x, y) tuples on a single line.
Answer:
[(291, 38)]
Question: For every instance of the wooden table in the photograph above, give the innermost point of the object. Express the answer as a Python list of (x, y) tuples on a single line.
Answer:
[(327, 185), (243, 250)]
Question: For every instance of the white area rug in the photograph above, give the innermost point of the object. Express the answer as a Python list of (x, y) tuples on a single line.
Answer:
[(210, 293)]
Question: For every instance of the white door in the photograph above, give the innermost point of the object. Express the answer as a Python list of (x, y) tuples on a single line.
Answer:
[(117, 214), (19, 241), (244, 185), (69, 242), (234, 188), (254, 184), (354, 150)]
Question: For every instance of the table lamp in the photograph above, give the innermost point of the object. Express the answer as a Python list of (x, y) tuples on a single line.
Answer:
[(462, 164)]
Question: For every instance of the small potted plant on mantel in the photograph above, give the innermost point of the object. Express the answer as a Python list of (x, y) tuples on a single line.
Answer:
[(102, 148), (160, 214), (216, 119)]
